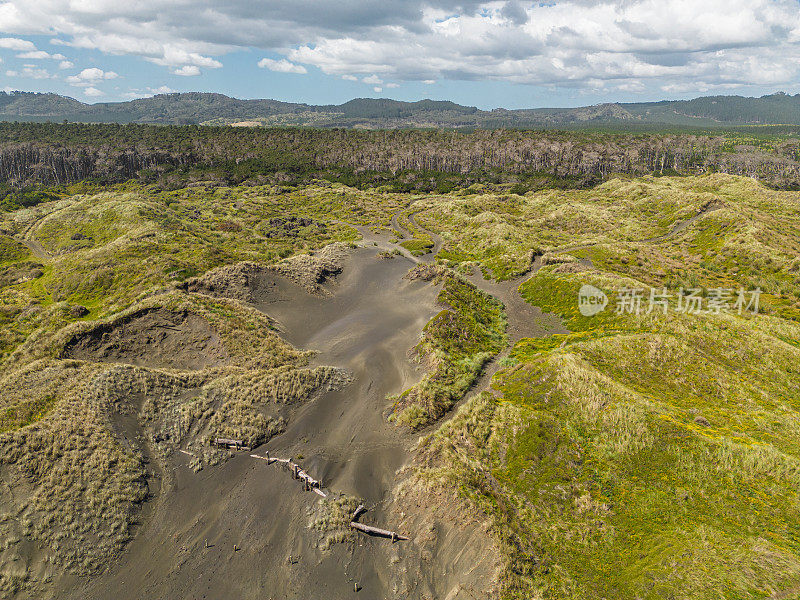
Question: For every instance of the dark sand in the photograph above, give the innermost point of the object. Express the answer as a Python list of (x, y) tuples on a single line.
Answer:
[(367, 326), (156, 338)]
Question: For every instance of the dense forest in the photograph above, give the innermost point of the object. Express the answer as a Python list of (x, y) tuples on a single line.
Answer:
[(34, 154)]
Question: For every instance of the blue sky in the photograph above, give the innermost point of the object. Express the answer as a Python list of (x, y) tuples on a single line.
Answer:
[(508, 54)]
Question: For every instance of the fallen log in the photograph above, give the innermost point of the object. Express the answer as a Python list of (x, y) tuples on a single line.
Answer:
[(306, 477), (266, 458), (394, 536), (309, 483), (230, 444), (358, 512)]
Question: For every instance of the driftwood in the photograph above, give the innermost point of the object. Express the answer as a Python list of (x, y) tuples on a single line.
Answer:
[(393, 535), (309, 483), (314, 485), (358, 512)]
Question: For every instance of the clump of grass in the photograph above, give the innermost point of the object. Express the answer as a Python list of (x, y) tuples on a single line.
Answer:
[(331, 518), (418, 247), (456, 343)]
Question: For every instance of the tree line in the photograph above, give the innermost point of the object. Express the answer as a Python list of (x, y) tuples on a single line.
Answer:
[(34, 154)]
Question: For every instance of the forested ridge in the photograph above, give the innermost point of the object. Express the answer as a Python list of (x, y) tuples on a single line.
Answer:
[(189, 108), (57, 154)]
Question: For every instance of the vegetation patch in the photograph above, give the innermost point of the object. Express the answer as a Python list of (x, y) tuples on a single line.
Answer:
[(643, 455), (331, 518), (456, 343)]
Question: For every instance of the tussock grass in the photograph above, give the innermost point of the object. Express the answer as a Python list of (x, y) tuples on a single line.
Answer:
[(77, 436), (638, 456), (331, 518), (456, 343)]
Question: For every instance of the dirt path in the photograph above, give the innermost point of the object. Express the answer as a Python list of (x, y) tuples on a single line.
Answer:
[(36, 248), (28, 238), (676, 229), (679, 227), (524, 319), (438, 241), (33, 244)]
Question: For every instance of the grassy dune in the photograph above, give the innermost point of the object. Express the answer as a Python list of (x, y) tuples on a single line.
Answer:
[(79, 435), (455, 344), (642, 456)]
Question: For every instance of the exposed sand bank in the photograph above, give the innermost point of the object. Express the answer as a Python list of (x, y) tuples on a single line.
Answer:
[(241, 529)]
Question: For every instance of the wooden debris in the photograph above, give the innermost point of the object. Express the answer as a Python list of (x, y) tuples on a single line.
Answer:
[(393, 535), (230, 444), (309, 483), (359, 511), (314, 485)]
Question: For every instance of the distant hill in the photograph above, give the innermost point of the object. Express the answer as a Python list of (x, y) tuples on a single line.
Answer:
[(218, 109)]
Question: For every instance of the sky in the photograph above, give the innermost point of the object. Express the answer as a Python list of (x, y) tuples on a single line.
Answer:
[(510, 53)]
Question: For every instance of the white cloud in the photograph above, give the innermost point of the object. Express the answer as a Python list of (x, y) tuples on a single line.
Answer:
[(65, 64), (40, 55), (187, 71), (93, 92), (90, 76), (17, 44), (377, 89), (630, 45), (172, 56), (34, 55), (281, 66), (29, 71), (392, 85)]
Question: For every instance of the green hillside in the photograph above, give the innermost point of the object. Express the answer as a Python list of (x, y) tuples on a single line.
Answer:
[(208, 108)]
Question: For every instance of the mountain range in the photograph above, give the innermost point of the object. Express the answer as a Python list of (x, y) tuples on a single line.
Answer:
[(218, 109)]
